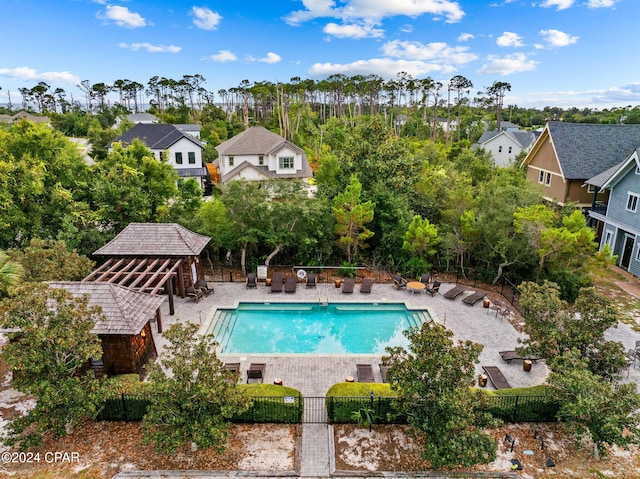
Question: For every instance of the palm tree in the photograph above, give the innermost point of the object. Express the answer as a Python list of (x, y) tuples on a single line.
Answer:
[(11, 273)]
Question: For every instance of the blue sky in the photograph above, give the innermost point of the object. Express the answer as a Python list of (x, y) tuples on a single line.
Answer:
[(564, 53)]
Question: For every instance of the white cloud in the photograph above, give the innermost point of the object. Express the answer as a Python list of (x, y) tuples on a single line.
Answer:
[(384, 67), (205, 18), (560, 4), (406, 28), (556, 38), (27, 73), (150, 48), (376, 9), (122, 17), (353, 31), (223, 56), (270, 58), (463, 37), (601, 3), (439, 51), (509, 39), (507, 65)]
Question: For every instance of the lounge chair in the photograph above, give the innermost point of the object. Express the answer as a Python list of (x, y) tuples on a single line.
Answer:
[(204, 287), (496, 377), (435, 288), (290, 285), (276, 282), (383, 372), (347, 286), (366, 285), (194, 293), (399, 281), (311, 280), (255, 372), (454, 292), (365, 373), (508, 356), (251, 281), (235, 369), (425, 278), (473, 298)]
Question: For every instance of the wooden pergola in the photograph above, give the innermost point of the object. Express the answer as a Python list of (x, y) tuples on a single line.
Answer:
[(148, 275)]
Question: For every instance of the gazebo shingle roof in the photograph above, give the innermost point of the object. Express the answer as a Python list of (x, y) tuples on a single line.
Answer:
[(155, 239), (126, 311)]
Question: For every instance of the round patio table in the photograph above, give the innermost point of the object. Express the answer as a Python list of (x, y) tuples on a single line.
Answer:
[(416, 286)]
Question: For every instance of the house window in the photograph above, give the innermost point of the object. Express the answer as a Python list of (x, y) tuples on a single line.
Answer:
[(261, 160), (192, 157), (178, 157), (510, 149), (591, 189), (286, 162), (608, 237), (231, 161), (500, 149), (541, 177), (638, 252), (547, 179), (632, 202)]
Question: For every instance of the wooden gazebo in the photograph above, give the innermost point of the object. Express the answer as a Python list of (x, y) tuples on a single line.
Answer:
[(125, 334), (152, 257)]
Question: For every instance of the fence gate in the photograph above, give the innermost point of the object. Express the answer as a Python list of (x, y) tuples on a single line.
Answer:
[(315, 410)]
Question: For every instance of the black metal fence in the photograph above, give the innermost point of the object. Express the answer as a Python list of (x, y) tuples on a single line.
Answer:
[(337, 410)]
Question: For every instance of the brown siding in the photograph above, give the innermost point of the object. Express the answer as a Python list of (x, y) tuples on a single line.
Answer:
[(545, 159), (125, 354)]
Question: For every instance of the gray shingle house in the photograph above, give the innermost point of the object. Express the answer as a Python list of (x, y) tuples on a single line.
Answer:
[(183, 149), (566, 155), (619, 218), (257, 154)]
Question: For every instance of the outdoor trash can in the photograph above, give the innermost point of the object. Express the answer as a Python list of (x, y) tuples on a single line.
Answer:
[(526, 365), (482, 380)]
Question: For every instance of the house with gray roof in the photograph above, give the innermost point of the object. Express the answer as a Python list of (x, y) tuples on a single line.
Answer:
[(182, 150), (257, 154), (505, 145), (566, 155), (125, 330), (618, 219), (135, 118)]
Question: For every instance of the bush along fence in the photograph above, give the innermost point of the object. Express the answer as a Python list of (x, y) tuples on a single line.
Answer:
[(340, 410)]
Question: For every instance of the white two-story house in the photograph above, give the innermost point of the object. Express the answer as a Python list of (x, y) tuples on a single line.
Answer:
[(257, 154), (183, 150)]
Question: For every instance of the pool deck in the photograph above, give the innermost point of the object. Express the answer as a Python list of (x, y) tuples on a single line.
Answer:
[(313, 374)]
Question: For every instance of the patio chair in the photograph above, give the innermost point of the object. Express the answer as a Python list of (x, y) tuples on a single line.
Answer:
[(496, 377), (276, 282), (194, 293), (454, 292), (204, 287), (425, 278), (366, 285), (365, 373), (255, 373), (474, 298), (290, 285), (347, 286), (311, 280), (251, 281), (435, 288), (383, 372), (399, 281)]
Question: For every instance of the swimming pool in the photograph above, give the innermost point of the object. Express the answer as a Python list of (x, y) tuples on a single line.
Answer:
[(312, 328)]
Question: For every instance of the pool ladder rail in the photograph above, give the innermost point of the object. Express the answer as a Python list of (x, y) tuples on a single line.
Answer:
[(223, 326)]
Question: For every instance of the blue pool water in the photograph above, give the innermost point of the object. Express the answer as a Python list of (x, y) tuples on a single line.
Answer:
[(286, 328)]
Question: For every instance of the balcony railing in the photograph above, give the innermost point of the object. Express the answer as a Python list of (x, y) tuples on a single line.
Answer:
[(599, 207)]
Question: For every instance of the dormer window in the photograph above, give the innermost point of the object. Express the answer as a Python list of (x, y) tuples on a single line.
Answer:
[(285, 162), (261, 160)]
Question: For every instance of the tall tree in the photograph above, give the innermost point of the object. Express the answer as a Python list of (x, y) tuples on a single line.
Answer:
[(495, 95), (433, 378), (196, 396), (54, 340), (351, 216)]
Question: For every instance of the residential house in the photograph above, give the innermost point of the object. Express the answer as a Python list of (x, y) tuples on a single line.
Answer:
[(125, 333), (566, 155), (183, 150), (505, 145), (619, 217), (25, 115), (146, 118), (257, 154)]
